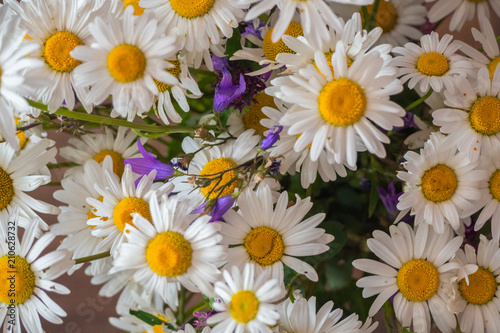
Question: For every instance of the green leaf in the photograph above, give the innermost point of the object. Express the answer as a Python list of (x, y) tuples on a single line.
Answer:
[(233, 44), (150, 319), (372, 205)]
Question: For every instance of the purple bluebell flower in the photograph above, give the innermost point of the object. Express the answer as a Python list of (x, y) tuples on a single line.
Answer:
[(148, 162), (272, 137), (389, 198), (202, 318), (408, 122), (226, 92), (220, 207), (274, 169)]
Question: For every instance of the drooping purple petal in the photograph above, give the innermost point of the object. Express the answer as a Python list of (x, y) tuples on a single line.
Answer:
[(222, 205), (226, 92), (272, 137), (148, 162)]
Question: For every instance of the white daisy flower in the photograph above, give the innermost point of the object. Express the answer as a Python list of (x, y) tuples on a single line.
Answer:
[(121, 198), (14, 83), (440, 183), (61, 25), (315, 15), (173, 246), (97, 146), (472, 118), (271, 238), (476, 297), (325, 320), (21, 173), (247, 301), (489, 43), (415, 261), (200, 23), (431, 65), (73, 218), (463, 10), (20, 266), (127, 55), (333, 111)]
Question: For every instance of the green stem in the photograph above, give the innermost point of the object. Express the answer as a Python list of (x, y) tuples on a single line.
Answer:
[(419, 101), (114, 121), (91, 258), (373, 16), (197, 307), (62, 165), (364, 12), (387, 315), (53, 184), (180, 312)]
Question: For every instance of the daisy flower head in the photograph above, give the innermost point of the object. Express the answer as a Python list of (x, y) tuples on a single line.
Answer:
[(271, 238), (200, 23), (413, 268), (334, 110), (13, 66), (440, 184), (463, 10), (73, 218), (248, 301), (120, 199), (472, 116), (475, 297), (128, 54), (432, 64), (22, 268), (173, 246), (96, 146), (325, 320)]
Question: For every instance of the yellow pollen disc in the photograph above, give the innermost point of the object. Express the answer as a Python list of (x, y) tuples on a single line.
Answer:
[(118, 166), (432, 64), (192, 8), (169, 254), (127, 206), (92, 210), (20, 134), (17, 280), (439, 183), (126, 63), (418, 280), (342, 102), (175, 71), (244, 306), (219, 187), (264, 246), (494, 184), (6, 189), (138, 10), (252, 118), (484, 115), (492, 66), (481, 289), (56, 51), (387, 15), (271, 50)]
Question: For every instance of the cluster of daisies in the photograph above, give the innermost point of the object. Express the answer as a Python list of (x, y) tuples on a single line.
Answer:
[(306, 87)]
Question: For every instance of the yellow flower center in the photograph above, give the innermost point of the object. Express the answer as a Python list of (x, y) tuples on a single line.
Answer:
[(175, 71), (23, 140), (481, 289), (484, 115), (222, 183), (432, 64), (252, 118), (169, 254), (127, 206), (192, 8), (271, 50), (494, 184), (264, 246), (118, 166), (92, 210), (439, 183), (57, 48), (342, 102), (6, 189), (244, 306), (138, 10), (418, 280), (17, 280), (492, 66), (387, 15), (126, 63)]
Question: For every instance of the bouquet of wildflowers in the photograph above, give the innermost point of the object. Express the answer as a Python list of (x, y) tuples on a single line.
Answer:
[(241, 165)]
